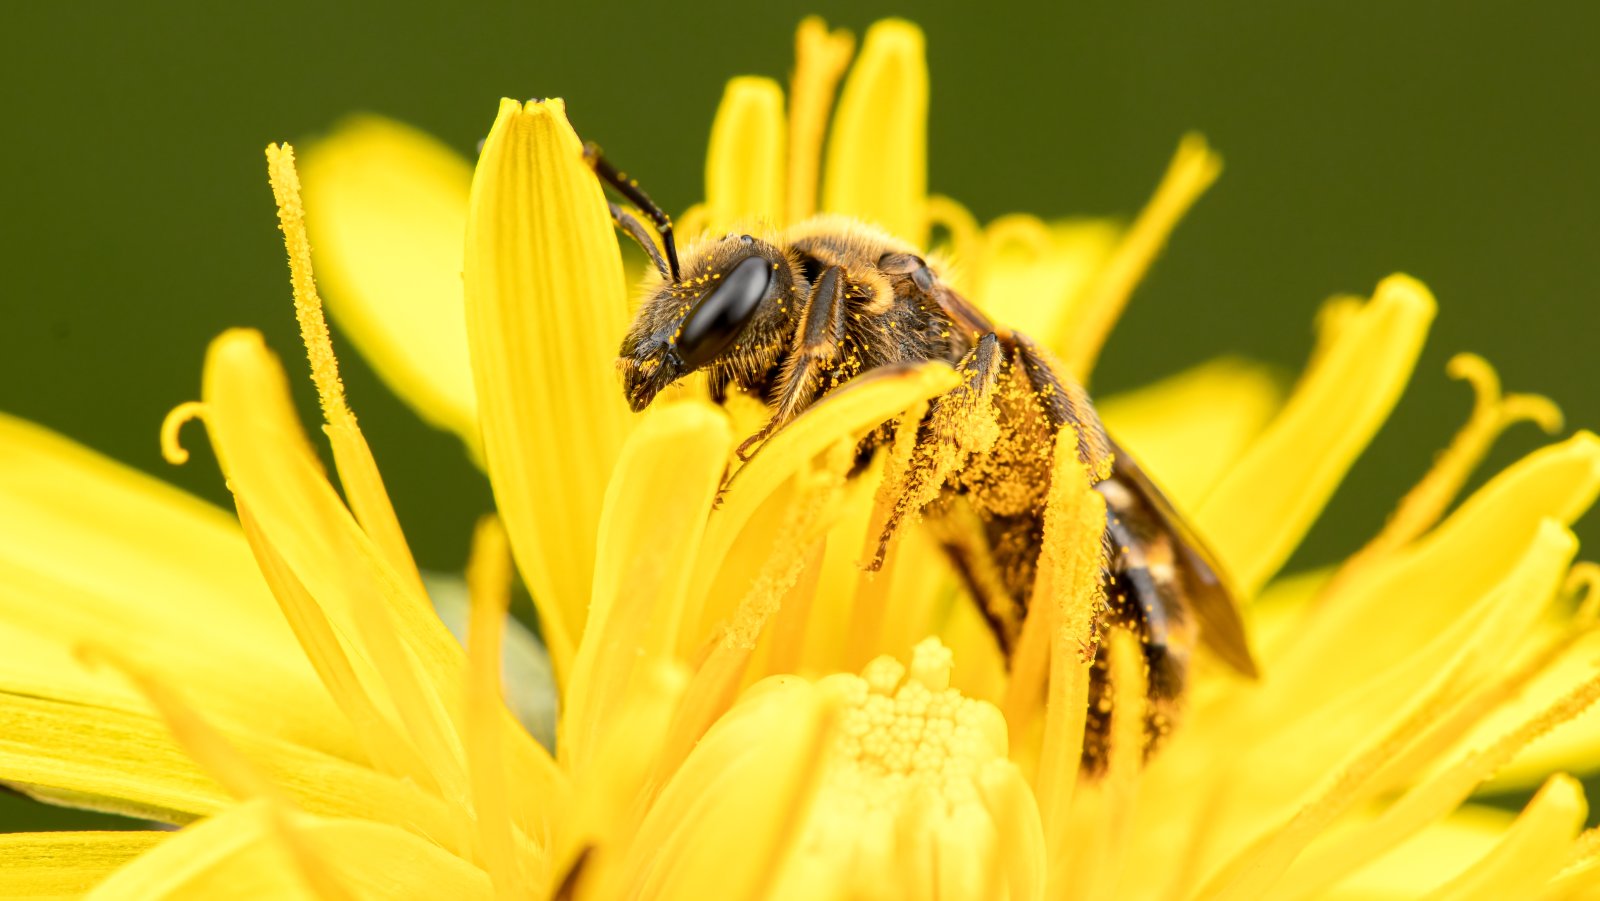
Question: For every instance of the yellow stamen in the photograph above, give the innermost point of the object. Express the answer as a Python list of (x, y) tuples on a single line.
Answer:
[(745, 163), (878, 150), (358, 472), (172, 450), (1192, 170), (788, 630), (1030, 673), (1492, 414), (820, 58), (1068, 584), (307, 303), (489, 588)]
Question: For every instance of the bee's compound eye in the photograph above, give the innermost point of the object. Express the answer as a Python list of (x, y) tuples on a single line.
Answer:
[(717, 320)]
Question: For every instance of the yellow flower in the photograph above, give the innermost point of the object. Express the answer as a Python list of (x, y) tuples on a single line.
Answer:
[(744, 711)]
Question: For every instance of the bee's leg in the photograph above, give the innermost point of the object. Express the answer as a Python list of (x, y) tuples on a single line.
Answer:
[(964, 538), (629, 188), (817, 346), (960, 424), (636, 230)]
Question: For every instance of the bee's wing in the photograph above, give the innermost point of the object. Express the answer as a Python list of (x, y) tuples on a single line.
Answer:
[(1204, 582)]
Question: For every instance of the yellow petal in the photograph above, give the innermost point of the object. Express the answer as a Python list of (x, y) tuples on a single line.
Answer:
[(655, 513), (745, 165), (1393, 751), (1258, 513), (386, 206), (273, 472), (1439, 852), (1187, 429), (388, 624), (723, 823), (242, 854), (1369, 625), (1311, 725), (878, 150), (173, 584), (1532, 850), (387, 746), (546, 304), (820, 58), (489, 578), (56, 865), (122, 761)]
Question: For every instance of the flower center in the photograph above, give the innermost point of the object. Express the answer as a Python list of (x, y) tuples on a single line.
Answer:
[(907, 733), (907, 801)]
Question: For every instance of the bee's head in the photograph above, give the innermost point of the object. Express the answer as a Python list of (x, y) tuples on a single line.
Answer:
[(725, 303)]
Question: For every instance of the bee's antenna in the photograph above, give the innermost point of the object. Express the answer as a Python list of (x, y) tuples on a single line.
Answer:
[(627, 187), (636, 230)]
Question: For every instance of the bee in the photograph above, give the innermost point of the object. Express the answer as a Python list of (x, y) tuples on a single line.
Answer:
[(791, 316)]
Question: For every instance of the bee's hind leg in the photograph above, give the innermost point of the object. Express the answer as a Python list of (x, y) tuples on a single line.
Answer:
[(961, 424)]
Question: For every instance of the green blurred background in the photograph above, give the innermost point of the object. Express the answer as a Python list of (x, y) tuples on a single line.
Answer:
[(1455, 141)]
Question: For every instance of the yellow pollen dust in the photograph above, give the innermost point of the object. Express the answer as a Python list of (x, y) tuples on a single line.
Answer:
[(307, 302)]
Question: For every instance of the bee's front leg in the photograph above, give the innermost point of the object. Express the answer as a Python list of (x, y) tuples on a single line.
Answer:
[(818, 339)]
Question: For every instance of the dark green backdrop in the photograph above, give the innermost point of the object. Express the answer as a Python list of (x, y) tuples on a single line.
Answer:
[(1456, 141)]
